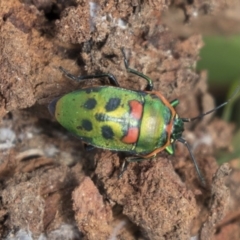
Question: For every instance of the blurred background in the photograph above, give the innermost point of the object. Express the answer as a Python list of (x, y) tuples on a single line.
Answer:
[(221, 58)]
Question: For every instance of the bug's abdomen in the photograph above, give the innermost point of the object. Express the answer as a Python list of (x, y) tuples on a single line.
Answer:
[(114, 118), (105, 117)]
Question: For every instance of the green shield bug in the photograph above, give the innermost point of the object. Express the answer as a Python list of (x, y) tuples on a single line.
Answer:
[(141, 123)]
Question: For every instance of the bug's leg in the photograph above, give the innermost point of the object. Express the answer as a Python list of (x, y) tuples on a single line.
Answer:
[(127, 161), (193, 160), (174, 103), (111, 78), (123, 168), (88, 147), (149, 86)]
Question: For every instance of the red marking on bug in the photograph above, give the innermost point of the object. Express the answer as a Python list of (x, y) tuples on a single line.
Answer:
[(136, 109), (132, 135)]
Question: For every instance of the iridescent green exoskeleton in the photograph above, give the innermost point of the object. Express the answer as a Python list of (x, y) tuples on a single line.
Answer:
[(141, 123)]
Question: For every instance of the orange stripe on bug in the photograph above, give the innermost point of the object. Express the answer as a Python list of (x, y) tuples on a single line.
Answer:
[(132, 135), (136, 109)]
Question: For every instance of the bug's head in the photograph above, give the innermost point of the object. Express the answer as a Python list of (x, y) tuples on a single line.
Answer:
[(178, 128)]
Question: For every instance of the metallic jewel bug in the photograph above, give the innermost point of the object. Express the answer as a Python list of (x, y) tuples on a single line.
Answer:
[(142, 123)]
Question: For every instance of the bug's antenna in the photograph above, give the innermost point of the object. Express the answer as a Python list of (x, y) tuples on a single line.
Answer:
[(194, 160), (214, 109)]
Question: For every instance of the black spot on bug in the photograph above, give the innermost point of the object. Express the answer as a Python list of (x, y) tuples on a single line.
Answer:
[(86, 125), (112, 104), (88, 90), (107, 132), (90, 103)]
